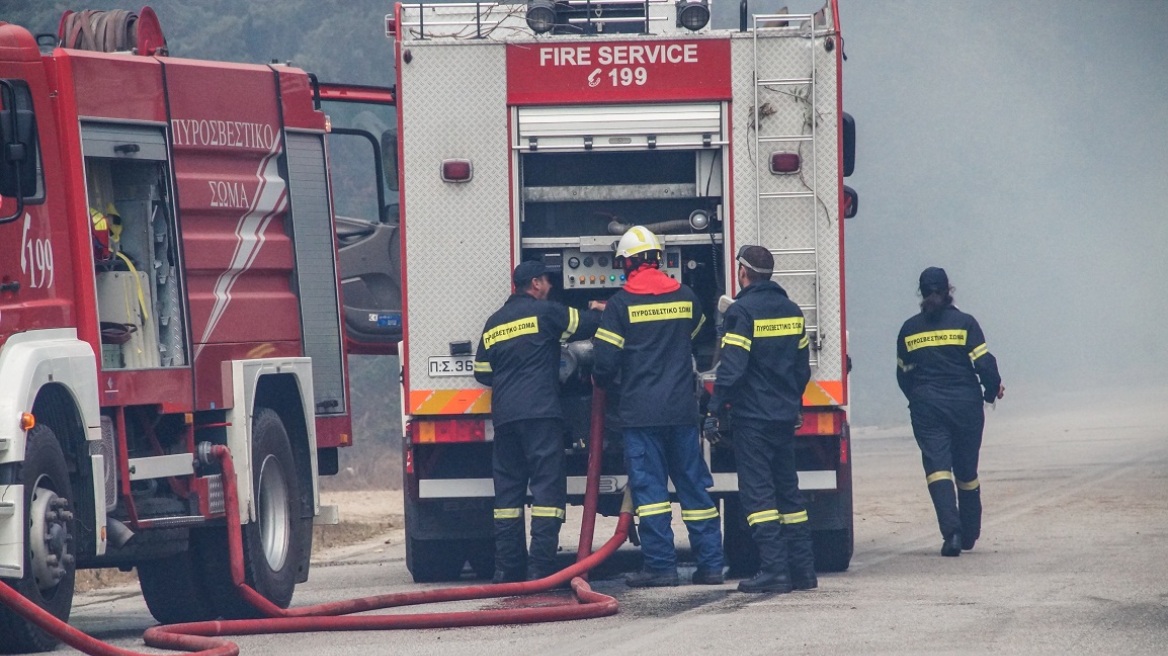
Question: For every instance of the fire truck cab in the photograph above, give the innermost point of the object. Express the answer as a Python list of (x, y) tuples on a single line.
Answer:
[(542, 131)]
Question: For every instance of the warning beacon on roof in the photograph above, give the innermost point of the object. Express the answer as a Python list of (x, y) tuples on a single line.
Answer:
[(570, 73)]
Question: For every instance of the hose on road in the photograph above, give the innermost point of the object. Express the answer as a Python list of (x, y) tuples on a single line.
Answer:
[(205, 638)]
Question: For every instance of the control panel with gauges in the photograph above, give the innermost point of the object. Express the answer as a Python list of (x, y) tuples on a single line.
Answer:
[(593, 270)]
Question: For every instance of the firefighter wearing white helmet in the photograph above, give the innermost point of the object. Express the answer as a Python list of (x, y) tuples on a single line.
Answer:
[(645, 338), (638, 242)]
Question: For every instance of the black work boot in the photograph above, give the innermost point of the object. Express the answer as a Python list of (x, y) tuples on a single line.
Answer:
[(650, 579), (776, 582), (969, 507), (951, 546), (800, 556), (708, 577)]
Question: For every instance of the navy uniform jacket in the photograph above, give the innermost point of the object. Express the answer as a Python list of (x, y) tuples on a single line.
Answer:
[(942, 358), (645, 337), (519, 356), (765, 361)]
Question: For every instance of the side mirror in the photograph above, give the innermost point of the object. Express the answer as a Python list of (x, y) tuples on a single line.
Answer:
[(851, 202), (18, 142), (849, 137)]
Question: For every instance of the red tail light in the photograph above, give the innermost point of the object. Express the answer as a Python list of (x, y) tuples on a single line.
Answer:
[(442, 431), (457, 170)]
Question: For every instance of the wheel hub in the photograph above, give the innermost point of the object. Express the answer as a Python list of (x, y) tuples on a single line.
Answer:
[(50, 541), (274, 518)]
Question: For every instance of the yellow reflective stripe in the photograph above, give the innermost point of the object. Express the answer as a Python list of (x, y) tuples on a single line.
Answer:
[(573, 323), (508, 513), (483, 367), (778, 327), (654, 509), (701, 322), (935, 338), (504, 332), (939, 476), (660, 311), (805, 342), (795, 517), (968, 486), (610, 337), (699, 515), (735, 340), (978, 351), (547, 511), (763, 516)]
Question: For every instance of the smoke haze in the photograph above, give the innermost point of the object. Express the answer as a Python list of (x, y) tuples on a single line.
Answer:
[(1021, 146)]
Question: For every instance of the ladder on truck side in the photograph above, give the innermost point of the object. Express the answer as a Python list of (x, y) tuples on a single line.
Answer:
[(796, 266)]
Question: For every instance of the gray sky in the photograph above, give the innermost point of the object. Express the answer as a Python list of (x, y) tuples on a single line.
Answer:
[(1021, 146)]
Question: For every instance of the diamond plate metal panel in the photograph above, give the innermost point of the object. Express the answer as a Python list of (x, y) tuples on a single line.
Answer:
[(805, 224), (457, 236)]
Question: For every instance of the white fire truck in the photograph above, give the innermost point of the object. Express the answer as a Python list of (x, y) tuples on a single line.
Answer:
[(542, 131)]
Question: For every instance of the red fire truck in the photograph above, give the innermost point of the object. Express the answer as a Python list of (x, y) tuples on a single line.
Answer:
[(168, 282), (542, 130)]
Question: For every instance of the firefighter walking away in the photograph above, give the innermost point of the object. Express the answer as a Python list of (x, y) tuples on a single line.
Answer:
[(946, 371), (519, 358), (763, 370)]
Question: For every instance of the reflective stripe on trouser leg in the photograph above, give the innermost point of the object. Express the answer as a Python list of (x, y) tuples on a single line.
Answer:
[(944, 497), (645, 464), (692, 479)]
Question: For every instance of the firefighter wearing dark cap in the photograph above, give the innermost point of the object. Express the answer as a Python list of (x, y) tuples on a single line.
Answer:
[(519, 358), (762, 372), (947, 372), (645, 339)]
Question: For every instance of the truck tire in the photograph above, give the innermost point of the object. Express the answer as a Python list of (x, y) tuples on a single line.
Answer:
[(272, 543), (49, 562), (737, 545), (431, 561), (173, 590), (833, 550)]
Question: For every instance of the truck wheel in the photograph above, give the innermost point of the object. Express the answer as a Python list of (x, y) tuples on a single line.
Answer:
[(740, 551), (833, 550), (173, 590), (49, 562), (431, 561), (272, 543)]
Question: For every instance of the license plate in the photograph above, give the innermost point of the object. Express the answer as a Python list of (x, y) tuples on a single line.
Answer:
[(451, 365)]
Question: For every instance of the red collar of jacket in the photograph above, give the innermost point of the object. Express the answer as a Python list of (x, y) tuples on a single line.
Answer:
[(650, 280)]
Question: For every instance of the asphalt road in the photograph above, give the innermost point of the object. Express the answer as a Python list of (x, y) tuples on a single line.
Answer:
[(1071, 561)]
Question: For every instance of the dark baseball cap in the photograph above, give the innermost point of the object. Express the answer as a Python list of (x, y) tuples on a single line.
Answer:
[(757, 259), (934, 279), (526, 271)]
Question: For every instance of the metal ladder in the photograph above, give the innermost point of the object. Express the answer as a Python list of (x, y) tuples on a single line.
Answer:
[(791, 263)]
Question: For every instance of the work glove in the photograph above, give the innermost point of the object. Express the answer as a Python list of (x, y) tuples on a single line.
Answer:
[(710, 430)]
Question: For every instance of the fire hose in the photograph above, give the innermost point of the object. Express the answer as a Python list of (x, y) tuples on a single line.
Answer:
[(204, 638)]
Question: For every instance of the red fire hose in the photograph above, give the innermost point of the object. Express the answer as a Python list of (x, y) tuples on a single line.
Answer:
[(203, 637)]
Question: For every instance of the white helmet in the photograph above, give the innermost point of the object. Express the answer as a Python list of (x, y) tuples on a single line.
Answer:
[(638, 241)]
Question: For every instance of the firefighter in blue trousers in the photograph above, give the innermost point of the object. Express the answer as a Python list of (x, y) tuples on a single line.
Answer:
[(519, 358), (763, 370), (946, 371), (645, 340)]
